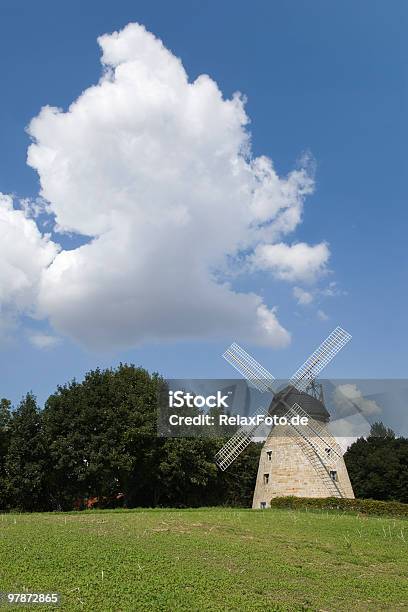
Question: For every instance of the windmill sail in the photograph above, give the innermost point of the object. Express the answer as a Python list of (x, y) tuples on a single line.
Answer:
[(315, 436), (318, 458), (250, 369), (236, 444), (318, 360), (259, 377)]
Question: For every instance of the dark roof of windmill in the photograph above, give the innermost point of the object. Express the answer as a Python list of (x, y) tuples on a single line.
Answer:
[(310, 404)]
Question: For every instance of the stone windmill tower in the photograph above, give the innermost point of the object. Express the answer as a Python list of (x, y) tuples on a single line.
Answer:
[(303, 460), (291, 465)]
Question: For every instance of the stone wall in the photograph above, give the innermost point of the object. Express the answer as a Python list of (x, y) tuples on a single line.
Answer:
[(284, 470)]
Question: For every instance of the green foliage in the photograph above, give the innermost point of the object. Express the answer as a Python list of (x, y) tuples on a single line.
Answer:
[(186, 472), (26, 458), (378, 466), (97, 440), (361, 506), (379, 430), (101, 435), (238, 482), (213, 559), (5, 423)]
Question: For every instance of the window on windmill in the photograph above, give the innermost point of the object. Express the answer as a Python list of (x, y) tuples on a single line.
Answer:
[(333, 474), (269, 455), (266, 478)]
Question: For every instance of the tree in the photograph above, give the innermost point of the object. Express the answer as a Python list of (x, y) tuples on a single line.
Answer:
[(238, 482), (379, 430), (99, 438), (103, 440), (378, 465), (5, 421), (26, 459), (186, 473), (102, 436)]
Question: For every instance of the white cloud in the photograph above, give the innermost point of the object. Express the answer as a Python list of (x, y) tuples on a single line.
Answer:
[(332, 290), (157, 171), (292, 262), (348, 431), (8, 324), (322, 315), (24, 255), (352, 412), (348, 399), (43, 341), (303, 297)]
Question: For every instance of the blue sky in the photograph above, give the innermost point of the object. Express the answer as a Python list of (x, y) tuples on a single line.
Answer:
[(321, 77)]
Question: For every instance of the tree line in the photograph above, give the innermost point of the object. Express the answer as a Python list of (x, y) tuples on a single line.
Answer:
[(378, 465), (96, 442)]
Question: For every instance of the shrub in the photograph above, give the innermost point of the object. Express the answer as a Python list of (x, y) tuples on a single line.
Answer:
[(360, 506)]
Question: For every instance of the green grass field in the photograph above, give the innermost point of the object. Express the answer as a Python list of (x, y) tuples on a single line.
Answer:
[(207, 559)]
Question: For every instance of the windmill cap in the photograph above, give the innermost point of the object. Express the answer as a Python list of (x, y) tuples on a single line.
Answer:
[(288, 396)]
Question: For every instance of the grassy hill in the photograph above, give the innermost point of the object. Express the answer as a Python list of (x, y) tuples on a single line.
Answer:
[(207, 559)]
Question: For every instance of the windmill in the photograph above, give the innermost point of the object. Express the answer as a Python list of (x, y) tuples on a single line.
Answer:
[(301, 460)]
